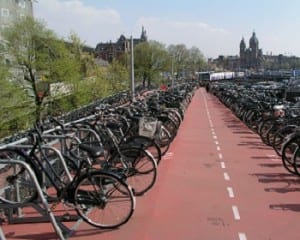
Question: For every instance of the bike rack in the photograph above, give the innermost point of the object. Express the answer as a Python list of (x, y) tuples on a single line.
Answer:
[(10, 209), (46, 211), (2, 236)]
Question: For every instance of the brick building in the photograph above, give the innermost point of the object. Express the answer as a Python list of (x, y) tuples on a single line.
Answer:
[(114, 50)]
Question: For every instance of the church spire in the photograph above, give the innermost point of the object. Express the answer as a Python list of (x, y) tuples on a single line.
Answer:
[(143, 35)]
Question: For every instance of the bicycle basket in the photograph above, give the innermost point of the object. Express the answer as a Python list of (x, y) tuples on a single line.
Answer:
[(147, 126)]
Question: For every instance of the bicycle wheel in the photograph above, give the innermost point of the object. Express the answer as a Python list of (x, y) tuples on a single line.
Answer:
[(140, 170), (146, 143), (265, 129), (103, 200), (280, 136), (289, 147), (163, 140), (296, 161), (16, 184)]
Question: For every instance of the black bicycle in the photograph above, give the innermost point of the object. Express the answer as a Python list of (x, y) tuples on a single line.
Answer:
[(100, 197)]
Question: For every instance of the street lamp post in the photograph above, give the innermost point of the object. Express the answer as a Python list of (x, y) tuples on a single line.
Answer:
[(132, 70), (172, 71)]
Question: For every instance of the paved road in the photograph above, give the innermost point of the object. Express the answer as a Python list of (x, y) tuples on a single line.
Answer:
[(218, 181)]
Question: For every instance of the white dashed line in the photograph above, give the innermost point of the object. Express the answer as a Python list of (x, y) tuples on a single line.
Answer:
[(242, 236), (230, 192), (226, 176), (222, 165), (236, 213)]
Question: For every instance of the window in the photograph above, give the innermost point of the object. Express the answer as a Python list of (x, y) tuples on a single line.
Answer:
[(4, 12), (21, 3)]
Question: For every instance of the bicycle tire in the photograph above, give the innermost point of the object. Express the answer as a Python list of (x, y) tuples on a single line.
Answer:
[(16, 185), (103, 200), (164, 140), (146, 143), (296, 161), (289, 147), (141, 172), (280, 136)]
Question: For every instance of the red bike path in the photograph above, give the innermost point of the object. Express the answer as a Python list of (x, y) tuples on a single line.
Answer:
[(217, 181)]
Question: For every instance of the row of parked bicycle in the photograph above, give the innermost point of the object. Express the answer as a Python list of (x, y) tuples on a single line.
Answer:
[(264, 108), (94, 166)]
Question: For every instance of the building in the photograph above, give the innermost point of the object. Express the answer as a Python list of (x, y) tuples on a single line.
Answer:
[(109, 51), (251, 57), (11, 10)]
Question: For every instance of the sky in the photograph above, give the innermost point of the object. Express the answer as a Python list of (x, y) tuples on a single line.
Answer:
[(215, 27)]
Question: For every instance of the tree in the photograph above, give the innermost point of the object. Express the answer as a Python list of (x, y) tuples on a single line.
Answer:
[(179, 54), (186, 61), (195, 60), (85, 58), (43, 59), (118, 77), (150, 60), (13, 99)]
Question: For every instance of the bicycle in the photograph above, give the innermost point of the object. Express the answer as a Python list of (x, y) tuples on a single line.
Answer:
[(100, 197)]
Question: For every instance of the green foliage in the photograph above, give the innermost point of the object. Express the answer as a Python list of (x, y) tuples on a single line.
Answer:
[(85, 58), (151, 59), (43, 59), (117, 77), (186, 61), (50, 76), (15, 107)]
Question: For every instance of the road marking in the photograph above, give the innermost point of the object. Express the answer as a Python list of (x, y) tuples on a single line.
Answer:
[(168, 155), (236, 213), (242, 236), (226, 176), (273, 158), (223, 165), (230, 192)]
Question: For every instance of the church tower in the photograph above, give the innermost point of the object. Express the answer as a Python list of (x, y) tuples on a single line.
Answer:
[(251, 57), (242, 52), (144, 35), (253, 43)]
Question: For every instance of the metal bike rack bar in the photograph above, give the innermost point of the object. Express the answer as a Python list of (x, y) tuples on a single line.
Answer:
[(47, 210), (2, 236)]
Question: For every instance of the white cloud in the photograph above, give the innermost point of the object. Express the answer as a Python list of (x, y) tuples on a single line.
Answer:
[(91, 24), (95, 25), (212, 41)]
